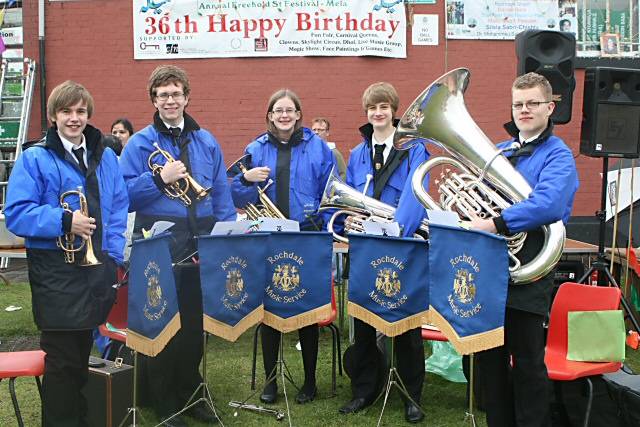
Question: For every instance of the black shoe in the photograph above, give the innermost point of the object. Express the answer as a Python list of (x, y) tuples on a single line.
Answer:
[(357, 404), (202, 413), (412, 413), (305, 397), (269, 394), (177, 421)]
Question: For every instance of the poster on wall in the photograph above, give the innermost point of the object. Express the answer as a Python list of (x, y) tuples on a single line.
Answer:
[(500, 19), (164, 29)]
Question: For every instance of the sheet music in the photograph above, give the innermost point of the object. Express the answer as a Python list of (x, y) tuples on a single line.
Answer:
[(381, 228)]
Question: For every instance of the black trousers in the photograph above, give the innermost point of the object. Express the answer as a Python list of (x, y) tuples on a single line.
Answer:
[(514, 376), (173, 375), (369, 373), (66, 370), (309, 343)]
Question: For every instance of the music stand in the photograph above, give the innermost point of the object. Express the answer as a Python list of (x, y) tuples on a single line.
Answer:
[(134, 410), (285, 374), (469, 415), (206, 394), (394, 379), (600, 265)]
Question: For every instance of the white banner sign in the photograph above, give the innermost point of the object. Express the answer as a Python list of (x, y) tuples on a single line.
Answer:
[(500, 19), (12, 35), (164, 29), (425, 30)]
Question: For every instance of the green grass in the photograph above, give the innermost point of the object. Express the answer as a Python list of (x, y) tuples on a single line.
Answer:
[(229, 378)]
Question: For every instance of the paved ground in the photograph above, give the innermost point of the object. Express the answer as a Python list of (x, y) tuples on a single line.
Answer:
[(17, 271)]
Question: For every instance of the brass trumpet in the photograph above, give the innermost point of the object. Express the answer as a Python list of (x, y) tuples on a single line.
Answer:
[(266, 208), (66, 242), (179, 189)]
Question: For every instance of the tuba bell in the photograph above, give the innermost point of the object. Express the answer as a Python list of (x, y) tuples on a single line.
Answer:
[(265, 208), (66, 242), (179, 189), (486, 182), (351, 203)]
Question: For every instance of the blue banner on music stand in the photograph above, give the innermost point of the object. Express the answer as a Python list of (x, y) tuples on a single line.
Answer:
[(153, 316), (233, 276), (468, 286), (388, 287), (298, 288)]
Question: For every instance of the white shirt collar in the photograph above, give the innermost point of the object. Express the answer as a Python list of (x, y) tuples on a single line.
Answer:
[(70, 146), (180, 125), (526, 141), (388, 143)]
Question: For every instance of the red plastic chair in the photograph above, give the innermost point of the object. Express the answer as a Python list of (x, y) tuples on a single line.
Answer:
[(431, 334), (335, 336), (576, 297), (21, 364), (117, 318)]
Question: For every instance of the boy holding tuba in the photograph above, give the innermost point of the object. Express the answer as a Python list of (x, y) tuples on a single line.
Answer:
[(69, 299)]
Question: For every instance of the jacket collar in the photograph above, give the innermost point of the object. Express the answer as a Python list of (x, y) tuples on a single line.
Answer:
[(513, 130), (367, 131), (297, 137), (92, 135), (190, 125)]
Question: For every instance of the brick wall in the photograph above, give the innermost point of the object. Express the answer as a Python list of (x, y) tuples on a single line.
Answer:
[(91, 42)]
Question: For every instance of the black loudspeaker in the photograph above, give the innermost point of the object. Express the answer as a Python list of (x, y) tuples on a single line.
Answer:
[(552, 54), (611, 113)]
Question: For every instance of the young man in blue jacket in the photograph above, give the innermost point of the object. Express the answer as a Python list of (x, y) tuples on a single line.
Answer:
[(173, 375), (69, 300), (391, 171), (514, 376)]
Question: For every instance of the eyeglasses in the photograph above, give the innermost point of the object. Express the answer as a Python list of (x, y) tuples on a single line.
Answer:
[(280, 111), (531, 105), (318, 130), (177, 96)]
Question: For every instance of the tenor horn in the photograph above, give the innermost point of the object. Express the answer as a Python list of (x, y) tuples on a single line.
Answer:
[(486, 182), (66, 242), (179, 189), (357, 205)]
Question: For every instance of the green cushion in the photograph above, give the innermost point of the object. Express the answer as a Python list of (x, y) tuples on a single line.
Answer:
[(596, 336)]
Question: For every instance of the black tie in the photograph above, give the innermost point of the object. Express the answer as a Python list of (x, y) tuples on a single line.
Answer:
[(175, 133), (79, 153), (378, 158)]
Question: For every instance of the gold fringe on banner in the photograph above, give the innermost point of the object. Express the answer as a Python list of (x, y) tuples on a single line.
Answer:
[(387, 328), (470, 344), (296, 322), (228, 332), (153, 346)]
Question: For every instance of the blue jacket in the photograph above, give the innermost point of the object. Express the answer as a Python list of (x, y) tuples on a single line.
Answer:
[(311, 164), (41, 175), (397, 192), (551, 172), (207, 168)]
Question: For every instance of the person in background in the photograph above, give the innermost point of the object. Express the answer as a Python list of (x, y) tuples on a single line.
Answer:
[(299, 163), (69, 300), (320, 126), (514, 376), (122, 129)]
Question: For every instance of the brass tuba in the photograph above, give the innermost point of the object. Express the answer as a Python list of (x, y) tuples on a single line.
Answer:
[(350, 202), (486, 182), (266, 208), (66, 241), (179, 189)]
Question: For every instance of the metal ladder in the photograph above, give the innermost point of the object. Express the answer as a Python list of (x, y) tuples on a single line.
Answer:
[(17, 80)]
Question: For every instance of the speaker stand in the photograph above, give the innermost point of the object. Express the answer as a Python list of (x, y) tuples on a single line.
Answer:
[(205, 398), (394, 380), (600, 265)]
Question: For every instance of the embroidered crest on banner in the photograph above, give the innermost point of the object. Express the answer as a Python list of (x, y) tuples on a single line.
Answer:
[(155, 305), (463, 298), (388, 287), (235, 295), (286, 284)]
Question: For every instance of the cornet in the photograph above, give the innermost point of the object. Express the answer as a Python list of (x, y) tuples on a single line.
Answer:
[(276, 413), (180, 188), (66, 242)]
